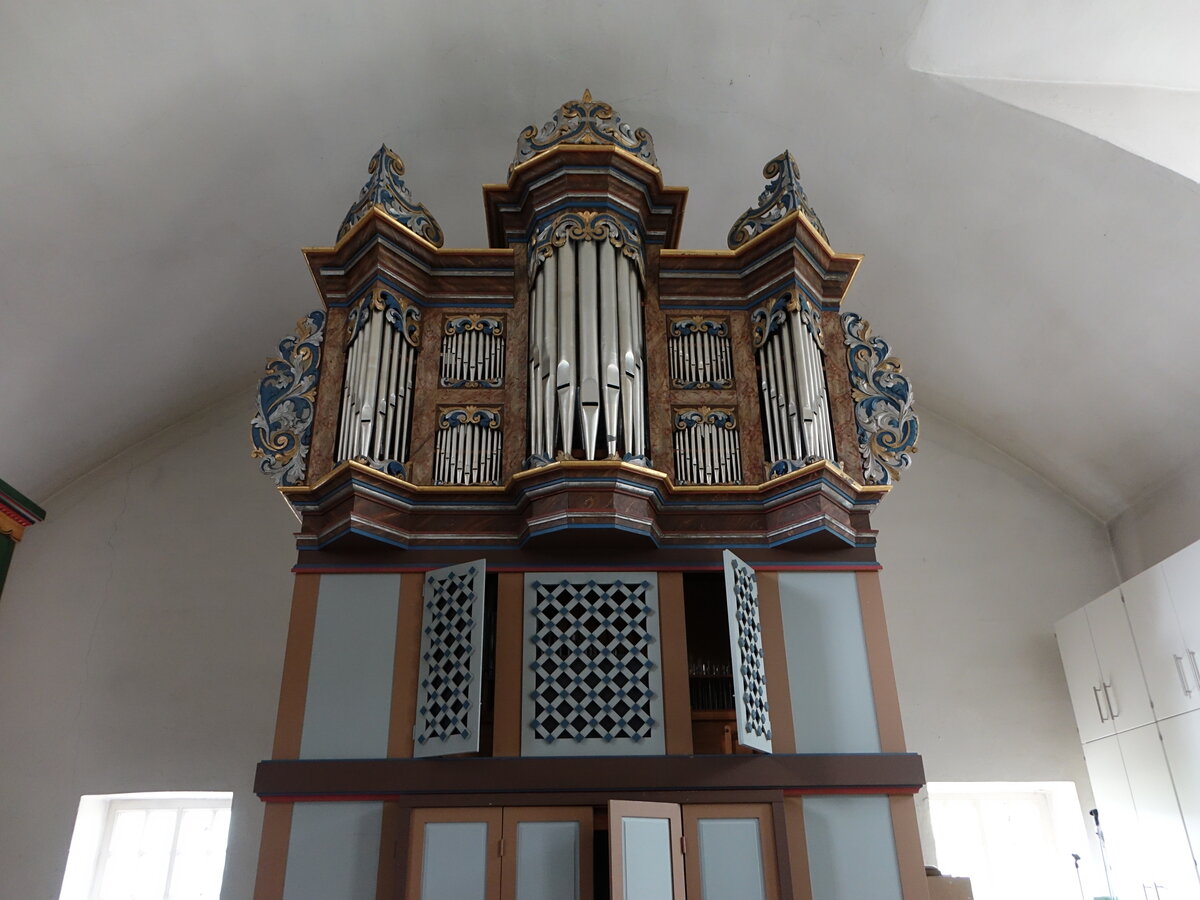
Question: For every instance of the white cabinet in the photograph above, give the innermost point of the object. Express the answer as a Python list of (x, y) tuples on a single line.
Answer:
[(1181, 744), (1101, 664), (1134, 678), (1170, 670)]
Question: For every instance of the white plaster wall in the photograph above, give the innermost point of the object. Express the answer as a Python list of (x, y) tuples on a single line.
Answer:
[(1162, 522), (980, 558), (142, 630), (141, 642)]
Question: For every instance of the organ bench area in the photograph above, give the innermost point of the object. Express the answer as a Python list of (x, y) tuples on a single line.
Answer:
[(586, 600)]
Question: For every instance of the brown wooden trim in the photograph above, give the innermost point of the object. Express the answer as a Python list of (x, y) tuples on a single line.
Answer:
[(914, 884), (297, 656), (620, 809), (513, 816), (542, 798), (494, 818), (797, 848), (768, 842), (393, 845), (404, 667), (870, 772), (273, 851), (879, 662), (510, 606), (779, 694), (677, 705)]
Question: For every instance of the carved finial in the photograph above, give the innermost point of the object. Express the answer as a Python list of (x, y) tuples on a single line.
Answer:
[(584, 121), (782, 195), (386, 189)]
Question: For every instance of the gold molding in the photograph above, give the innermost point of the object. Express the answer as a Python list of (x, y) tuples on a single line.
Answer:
[(10, 527), (584, 465)]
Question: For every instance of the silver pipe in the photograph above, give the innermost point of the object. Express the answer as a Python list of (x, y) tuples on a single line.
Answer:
[(610, 354), (628, 367), (549, 351), (565, 371), (588, 352)]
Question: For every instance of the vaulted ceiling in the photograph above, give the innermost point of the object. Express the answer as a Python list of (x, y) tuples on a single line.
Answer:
[(162, 163)]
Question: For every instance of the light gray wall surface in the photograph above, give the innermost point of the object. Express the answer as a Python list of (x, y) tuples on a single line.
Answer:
[(1165, 520), (143, 627), (141, 643), (980, 558)]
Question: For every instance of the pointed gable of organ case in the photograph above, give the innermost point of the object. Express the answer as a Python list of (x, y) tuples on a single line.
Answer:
[(585, 573)]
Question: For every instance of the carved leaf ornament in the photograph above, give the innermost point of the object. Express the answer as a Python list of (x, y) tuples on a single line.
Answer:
[(282, 427), (883, 403)]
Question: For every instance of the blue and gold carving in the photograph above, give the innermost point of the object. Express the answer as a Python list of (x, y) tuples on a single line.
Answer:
[(463, 324), (585, 225), (479, 416), (386, 189), (584, 121), (705, 415), (782, 195), (399, 312), (699, 325), (883, 403), (770, 317), (282, 427)]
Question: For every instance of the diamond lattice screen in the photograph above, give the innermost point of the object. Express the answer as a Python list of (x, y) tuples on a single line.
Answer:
[(592, 679), (451, 661), (746, 648)]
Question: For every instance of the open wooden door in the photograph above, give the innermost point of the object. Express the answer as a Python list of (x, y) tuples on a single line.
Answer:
[(450, 665), (746, 650), (645, 850)]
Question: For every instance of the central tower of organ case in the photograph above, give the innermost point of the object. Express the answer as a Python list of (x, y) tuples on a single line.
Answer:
[(586, 599)]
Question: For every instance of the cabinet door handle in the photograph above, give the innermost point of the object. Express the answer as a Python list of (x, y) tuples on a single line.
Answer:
[(1195, 667), (1108, 699), (1187, 691), (1099, 708)]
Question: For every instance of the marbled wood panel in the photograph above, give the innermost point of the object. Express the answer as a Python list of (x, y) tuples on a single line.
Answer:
[(426, 396), (329, 396), (841, 402), (658, 378), (754, 468), (516, 369)]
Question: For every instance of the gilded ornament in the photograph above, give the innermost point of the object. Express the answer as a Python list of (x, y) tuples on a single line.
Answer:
[(585, 225), (782, 195), (386, 189), (281, 429), (720, 417), (399, 312), (769, 317), (883, 403), (584, 121)]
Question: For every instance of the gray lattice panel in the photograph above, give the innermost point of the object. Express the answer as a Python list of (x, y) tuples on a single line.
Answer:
[(592, 682), (449, 674), (746, 649)]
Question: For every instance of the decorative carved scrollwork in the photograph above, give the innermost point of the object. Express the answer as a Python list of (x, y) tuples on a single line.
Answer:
[(782, 195), (883, 403), (770, 317), (584, 121), (400, 313), (585, 225), (282, 427), (386, 189)]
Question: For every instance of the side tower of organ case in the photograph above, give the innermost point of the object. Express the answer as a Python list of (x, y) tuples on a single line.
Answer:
[(586, 597)]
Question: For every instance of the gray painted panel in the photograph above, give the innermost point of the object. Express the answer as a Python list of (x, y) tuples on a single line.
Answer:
[(454, 865), (646, 853), (333, 851), (348, 708), (851, 848), (547, 860), (731, 863), (833, 706)]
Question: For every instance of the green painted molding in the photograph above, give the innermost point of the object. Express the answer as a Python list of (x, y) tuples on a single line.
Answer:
[(10, 496)]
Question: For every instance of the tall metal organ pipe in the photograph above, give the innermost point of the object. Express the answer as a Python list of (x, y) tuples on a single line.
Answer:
[(586, 354)]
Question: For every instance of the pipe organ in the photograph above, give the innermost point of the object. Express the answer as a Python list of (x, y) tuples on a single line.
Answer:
[(586, 597)]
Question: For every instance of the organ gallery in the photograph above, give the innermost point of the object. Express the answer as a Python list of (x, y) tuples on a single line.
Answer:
[(586, 598)]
